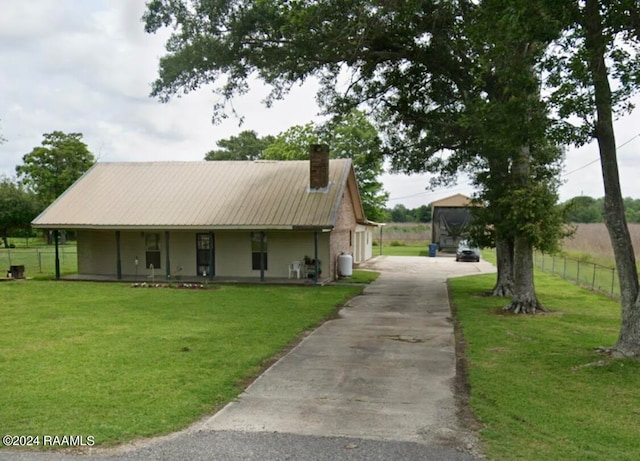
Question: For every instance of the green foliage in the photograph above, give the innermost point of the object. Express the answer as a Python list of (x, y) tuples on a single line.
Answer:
[(50, 169), (363, 276), (401, 213), (351, 136), (593, 71), (17, 208), (571, 78), (123, 363), (585, 209), (632, 209), (533, 212), (293, 144), (422, 213), (246, 146), (282, 42)]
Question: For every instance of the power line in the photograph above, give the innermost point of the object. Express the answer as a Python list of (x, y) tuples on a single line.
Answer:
[(598, 159), (581, 167)]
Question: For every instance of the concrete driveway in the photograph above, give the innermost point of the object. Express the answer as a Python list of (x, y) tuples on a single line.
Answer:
[(375, 383)]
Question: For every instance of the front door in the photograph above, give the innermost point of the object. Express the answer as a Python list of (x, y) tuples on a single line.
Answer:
[(205, 254)]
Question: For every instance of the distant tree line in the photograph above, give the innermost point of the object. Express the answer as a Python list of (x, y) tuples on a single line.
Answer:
[(580, 209), (401, 213), (585, 209)]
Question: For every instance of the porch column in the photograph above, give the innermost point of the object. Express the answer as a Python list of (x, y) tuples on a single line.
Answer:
[(315, 256), (118, 258), (56, 240), (211, 256), (262, 256), (166, 248)]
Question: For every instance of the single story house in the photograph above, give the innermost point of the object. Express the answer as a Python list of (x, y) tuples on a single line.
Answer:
[(450, 220), (227, 219)]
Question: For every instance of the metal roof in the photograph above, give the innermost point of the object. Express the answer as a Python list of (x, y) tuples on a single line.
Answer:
[(213, 195), (457, 200)]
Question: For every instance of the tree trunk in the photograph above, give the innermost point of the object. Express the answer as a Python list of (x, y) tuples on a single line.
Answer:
[(628, 343), (524, 300), (504, 255)]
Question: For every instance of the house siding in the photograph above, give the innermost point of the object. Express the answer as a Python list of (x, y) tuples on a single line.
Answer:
[(285, 247), (97, 253), (363, 244), (182, 253), (343, 235), (233, 254), (368, 247)]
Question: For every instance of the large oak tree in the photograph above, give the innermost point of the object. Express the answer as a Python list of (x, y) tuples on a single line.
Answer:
[(594, 69), (446, 99)]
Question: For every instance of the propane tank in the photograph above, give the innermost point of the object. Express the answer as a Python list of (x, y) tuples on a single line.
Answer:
[(345, 265)]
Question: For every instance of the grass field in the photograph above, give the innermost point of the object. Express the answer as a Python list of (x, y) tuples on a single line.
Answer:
[(538, 386), (363, 276), (118, 362), (591, 243), (397, 235), (410, 232), (413, 249)]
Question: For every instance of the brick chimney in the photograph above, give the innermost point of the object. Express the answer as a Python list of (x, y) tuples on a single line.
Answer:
[(318, 166)]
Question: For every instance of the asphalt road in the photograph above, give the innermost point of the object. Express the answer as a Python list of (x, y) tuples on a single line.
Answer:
[(374, 384)]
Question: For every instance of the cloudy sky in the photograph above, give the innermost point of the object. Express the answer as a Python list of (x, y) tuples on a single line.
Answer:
[(86, 66)]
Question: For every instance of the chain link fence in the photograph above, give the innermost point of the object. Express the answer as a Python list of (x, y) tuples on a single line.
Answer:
[(39, 261), (589, 275)]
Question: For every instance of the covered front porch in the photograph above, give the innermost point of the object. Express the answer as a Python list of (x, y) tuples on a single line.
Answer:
[(300, 256), (195, 280)]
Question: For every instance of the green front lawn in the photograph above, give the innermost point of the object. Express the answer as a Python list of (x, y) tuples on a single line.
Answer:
[(118, 362), (538, 386)]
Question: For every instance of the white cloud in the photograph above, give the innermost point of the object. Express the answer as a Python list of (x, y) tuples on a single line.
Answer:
[(583, 174)]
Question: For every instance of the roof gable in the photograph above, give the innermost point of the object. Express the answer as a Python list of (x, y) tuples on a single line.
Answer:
[(220, 194), (457, 200)]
